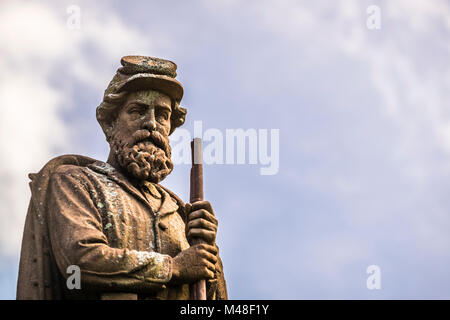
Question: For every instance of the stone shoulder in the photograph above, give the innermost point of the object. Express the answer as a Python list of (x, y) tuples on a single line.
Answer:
[(80, 173)]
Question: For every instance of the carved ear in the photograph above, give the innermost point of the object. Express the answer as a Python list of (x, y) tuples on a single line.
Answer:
[(178, 116)]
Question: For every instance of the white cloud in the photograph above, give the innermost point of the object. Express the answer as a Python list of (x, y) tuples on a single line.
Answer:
[(396, 199), (407, 68), (38, 48)]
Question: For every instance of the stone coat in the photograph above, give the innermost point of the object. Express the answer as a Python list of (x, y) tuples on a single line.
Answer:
[(121, 236)]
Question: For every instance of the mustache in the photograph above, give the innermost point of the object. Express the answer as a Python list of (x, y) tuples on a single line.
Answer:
[(155, 137)]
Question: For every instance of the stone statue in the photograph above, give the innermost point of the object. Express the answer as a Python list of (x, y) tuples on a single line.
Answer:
[(129, 237)]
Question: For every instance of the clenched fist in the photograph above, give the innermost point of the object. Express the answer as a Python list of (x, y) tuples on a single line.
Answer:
[(195, 263), (201, 223)]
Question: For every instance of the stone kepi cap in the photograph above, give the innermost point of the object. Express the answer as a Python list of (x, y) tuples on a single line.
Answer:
[(149, 73), (141, 73)]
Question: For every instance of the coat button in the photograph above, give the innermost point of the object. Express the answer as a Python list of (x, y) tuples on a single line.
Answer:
[(162, 226)]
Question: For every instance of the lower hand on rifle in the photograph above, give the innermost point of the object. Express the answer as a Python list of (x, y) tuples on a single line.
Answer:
[(198, 261), (195, 263)]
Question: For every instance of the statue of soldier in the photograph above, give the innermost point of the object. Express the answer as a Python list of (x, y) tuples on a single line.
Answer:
[(129, 237)]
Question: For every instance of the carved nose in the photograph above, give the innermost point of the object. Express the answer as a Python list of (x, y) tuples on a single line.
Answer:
[(150, 123)]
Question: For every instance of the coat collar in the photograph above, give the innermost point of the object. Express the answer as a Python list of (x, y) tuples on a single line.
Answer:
[(168, 205)]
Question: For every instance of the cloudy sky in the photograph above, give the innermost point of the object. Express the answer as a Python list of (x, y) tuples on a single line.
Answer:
[(363, 117)]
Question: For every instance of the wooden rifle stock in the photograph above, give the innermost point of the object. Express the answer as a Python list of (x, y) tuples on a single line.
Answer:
[(198, 289)]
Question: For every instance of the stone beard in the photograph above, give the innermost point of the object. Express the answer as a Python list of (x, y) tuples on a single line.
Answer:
[(146, 155)]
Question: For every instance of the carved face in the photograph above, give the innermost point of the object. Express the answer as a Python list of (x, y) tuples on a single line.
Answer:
[(140, 139)]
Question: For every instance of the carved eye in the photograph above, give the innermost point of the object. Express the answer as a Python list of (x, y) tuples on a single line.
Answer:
[(135, 110), (162, 115)]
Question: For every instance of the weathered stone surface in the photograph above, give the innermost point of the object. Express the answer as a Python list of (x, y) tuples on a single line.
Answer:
[(130, 237)]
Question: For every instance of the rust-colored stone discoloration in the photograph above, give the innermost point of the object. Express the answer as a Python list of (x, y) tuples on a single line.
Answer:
[(131, 237)]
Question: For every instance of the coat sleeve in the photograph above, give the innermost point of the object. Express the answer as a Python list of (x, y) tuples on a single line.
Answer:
[(77, 238)]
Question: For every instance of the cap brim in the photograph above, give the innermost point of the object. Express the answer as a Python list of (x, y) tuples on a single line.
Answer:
[(142, 81)]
